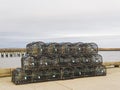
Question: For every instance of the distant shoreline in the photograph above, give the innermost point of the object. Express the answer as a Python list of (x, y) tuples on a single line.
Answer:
[(24, 50), (109, 49)]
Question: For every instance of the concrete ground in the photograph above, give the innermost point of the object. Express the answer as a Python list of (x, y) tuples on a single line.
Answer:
[(109, 82)]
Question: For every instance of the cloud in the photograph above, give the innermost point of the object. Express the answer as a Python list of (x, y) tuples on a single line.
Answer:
[(27, 20)]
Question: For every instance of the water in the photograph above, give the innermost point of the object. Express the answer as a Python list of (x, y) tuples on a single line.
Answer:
[(14, 62), (109, 56), (10, 62)]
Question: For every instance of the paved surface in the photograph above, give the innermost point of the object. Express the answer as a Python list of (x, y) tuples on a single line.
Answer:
[(109, 82)]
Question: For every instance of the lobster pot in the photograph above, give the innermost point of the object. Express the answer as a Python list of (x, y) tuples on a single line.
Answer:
[(86, 60), (88, 70), (100, 70), (67, 72), (39, 75), (52, 49), (74, 61), (78, 71), (18, 76), (28, 63), (76, 49), (64, 49), (45, 61), (70, 60), (89, 48), (64, 61), (96, 59), (35, 49)]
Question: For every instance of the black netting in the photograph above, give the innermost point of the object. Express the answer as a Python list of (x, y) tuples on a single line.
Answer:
[(53, 61)]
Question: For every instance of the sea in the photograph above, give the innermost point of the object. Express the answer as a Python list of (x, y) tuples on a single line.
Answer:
[(15, 62)]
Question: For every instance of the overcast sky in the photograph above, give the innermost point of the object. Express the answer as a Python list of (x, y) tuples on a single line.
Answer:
[(24, 21)]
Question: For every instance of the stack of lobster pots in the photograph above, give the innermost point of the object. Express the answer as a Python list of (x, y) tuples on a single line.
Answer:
[(58, 61)]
